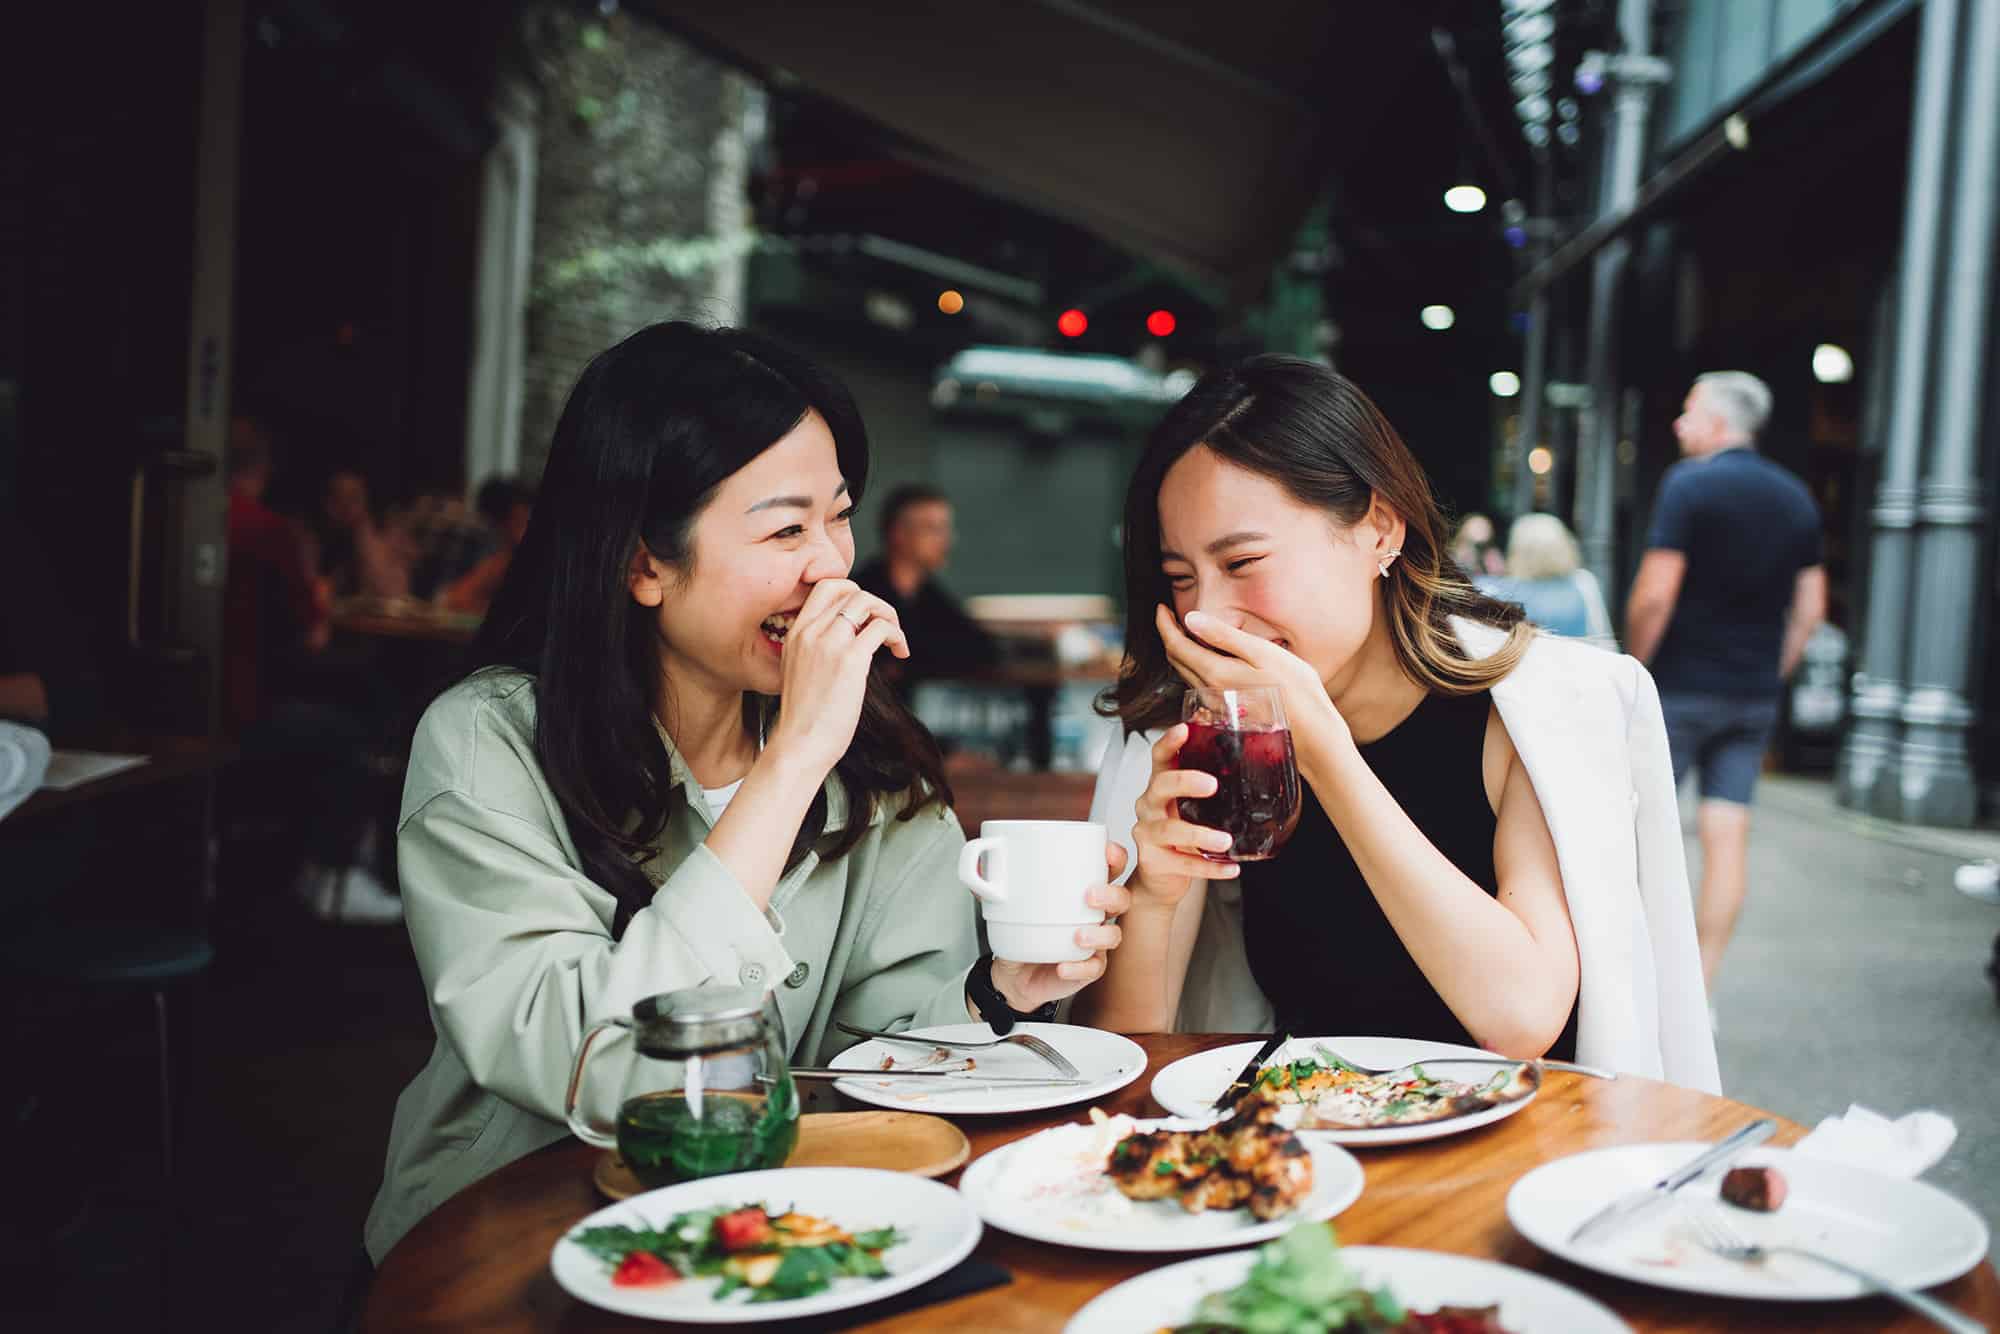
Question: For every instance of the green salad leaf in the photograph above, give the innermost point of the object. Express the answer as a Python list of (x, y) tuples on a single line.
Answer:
[(1298, 1285)]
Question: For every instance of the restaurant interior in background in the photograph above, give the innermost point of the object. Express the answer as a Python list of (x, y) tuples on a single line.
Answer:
[(292, 291)]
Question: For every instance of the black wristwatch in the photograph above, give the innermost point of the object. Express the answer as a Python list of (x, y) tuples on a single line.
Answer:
[(993, 1007)]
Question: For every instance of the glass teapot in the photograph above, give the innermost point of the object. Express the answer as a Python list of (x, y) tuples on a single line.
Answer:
[(707, 1091)]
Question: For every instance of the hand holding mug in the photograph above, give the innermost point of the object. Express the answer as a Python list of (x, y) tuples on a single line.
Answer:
[(1044, 894)]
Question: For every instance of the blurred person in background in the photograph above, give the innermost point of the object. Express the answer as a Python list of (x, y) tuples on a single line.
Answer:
[(358, 556), (1545, 575), (1475, 545), (1728, 591), (504, 508), (272, 611), (917, 539)]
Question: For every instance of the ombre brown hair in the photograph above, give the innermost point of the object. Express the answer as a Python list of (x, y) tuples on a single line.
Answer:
[(1316, 434)]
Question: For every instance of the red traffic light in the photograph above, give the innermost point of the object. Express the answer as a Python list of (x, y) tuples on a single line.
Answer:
[(1160, 323), (1072, 323)]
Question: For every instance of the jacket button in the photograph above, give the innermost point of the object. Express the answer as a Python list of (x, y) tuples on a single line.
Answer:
[(752, 975), (797, 977)]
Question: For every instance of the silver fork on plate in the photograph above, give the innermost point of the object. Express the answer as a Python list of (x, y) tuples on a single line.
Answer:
[(1571, 1066), (1025, 1041), (1717, 1235)]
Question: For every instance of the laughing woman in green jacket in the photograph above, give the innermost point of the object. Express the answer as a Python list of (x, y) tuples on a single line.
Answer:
[(677, 764)]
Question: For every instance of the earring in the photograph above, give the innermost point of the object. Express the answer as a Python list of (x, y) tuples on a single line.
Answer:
[(1383, 568)]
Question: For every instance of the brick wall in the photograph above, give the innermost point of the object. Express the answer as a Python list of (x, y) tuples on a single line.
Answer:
[(639, 196)]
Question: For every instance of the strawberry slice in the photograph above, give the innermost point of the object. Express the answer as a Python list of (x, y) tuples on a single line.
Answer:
[(643, 1269), (743, 1230)]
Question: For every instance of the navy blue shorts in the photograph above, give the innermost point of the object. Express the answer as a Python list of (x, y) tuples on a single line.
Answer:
[(1725, 735)]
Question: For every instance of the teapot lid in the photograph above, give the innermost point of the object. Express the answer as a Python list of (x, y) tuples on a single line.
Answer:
[(701, 1005)]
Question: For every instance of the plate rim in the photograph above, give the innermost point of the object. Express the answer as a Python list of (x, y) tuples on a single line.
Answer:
[(1055, 1095), (716, 1313), (1380, 1136), (972, 1178), (1679, 1281), (1360, 1253)]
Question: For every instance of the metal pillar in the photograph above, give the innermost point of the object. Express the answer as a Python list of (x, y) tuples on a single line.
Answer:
[(1936, 784), (1535, 357), (1870, 757), (1636, 73)]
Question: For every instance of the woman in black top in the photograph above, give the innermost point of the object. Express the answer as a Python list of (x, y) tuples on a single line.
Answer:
[(1278, 531)]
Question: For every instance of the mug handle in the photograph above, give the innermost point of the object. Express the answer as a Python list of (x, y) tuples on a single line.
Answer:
[(579, 1125), (968, 869)]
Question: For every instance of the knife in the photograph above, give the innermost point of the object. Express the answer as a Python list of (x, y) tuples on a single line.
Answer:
[(961, 1076), (1248, 1074), (1632, 1204)]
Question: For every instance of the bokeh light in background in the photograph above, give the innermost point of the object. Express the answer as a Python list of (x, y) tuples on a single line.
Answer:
[(1504, 384), (1071, 323), (1832, 364), (1160, 323), (1465, 199), (1540, 460), (950, 302), (1438, 318)]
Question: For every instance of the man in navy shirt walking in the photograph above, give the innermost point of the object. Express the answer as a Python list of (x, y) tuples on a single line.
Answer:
[(1730, 587)]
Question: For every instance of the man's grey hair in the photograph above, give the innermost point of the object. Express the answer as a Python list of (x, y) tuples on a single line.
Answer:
[(1739, 398)]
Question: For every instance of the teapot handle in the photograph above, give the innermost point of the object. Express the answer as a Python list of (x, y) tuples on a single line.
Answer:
[(579, 1125)]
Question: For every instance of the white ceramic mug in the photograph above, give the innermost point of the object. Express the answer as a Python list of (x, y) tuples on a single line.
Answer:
[(1032, 890)]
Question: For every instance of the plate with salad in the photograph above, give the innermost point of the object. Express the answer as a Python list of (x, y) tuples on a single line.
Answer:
[(756, 1247), (1306, 1283), (1431, 1089)]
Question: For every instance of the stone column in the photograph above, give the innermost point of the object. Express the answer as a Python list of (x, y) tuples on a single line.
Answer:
[(1936, 783), (1870, 757)]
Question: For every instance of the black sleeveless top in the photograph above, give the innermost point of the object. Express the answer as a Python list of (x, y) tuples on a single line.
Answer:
[(1320, 946)]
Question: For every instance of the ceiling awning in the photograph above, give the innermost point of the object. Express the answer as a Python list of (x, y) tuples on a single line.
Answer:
[(1194, 134)]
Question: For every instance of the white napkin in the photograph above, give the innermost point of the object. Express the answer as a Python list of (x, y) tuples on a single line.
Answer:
[(24, 759), (1904, 1147)]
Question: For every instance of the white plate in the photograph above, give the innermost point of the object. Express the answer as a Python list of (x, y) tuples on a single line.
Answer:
[(1421, 1280), (1105, 1061), (1043, 1188), (1906, 1231), (939, 1229), (1190, 1086)]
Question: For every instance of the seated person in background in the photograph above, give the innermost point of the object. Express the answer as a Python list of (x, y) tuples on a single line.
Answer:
[(1545, 575), (47, 678), (677, 764), (358, 557), (916, 543), (1454, 763), (271, 609), (505, 505)]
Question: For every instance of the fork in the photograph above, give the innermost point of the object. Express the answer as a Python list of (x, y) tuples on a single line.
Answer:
[(1026, 1041), (1571, 1066), (1717, 1235)]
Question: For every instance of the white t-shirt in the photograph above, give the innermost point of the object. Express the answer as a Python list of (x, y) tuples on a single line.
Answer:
[(718, 798)]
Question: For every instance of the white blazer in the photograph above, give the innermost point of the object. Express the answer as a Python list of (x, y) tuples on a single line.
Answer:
[(1587, 726)]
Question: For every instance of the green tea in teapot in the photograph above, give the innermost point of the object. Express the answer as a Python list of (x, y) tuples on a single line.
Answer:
[(664, 1141)]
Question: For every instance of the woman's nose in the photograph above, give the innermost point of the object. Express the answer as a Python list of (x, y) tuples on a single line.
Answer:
[(826, 561)]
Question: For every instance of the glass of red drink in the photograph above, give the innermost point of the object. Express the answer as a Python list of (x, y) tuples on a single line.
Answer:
[(1242, 738)]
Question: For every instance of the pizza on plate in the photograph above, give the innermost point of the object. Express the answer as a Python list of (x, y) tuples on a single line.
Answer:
[(1336, 1096)]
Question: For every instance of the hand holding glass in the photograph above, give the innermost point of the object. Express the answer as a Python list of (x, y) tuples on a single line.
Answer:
[(1241, 737)]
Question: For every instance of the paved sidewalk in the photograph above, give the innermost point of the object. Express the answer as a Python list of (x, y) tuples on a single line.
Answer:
[(1857, 975)]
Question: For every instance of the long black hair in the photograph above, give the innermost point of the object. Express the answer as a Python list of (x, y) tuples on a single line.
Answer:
[(1325, 442), (653, 427)]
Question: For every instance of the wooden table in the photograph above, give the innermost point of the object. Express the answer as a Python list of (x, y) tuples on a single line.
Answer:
[(169, 759), (426, 624), (481, 1261)]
